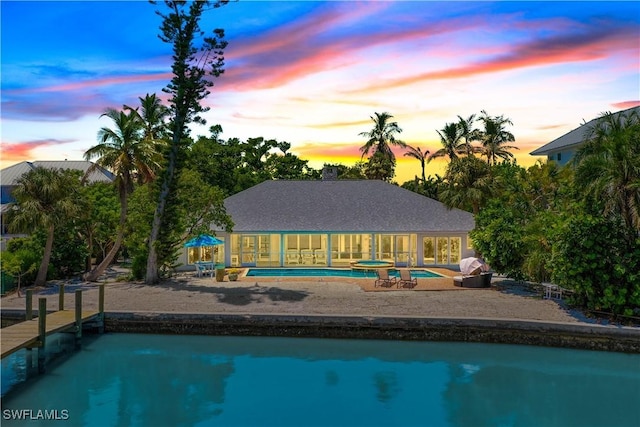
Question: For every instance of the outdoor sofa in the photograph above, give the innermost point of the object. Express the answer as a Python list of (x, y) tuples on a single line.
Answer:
[(482, 280)]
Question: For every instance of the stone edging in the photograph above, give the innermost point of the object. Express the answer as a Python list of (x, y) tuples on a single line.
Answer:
[(506, 331)]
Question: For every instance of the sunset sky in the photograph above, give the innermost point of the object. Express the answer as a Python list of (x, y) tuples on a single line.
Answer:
[(312, 73)]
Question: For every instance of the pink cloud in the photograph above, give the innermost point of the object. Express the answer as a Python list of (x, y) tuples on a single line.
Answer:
[(18, 151), (51, 106), (625, 105), (71, 101), (309, 45), (93, 83), (566, 48)]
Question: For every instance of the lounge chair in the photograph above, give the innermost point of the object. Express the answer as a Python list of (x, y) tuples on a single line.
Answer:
[(482, 280), (384, 279), (406, 281)]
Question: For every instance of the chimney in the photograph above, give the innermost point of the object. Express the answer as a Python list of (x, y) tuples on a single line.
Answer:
[(329, 173)]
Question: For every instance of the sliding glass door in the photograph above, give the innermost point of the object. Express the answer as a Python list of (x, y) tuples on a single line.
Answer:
[(248, 250)]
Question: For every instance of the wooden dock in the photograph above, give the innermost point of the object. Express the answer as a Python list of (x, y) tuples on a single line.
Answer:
[(33, 332)]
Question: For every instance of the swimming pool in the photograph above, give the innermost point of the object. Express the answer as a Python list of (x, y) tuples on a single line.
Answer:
[(328, 272), (160, 380)]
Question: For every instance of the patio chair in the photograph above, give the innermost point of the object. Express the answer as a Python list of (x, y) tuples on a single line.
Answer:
[(552, 291), (293, 257), (406, 281), (384, 279), (321, 256), (202, 268), (307, 256)]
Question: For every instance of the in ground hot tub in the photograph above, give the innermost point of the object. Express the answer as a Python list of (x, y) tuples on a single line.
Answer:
[(371, 264)]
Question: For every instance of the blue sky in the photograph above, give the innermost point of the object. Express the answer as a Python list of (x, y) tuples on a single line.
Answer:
[(312, 73)]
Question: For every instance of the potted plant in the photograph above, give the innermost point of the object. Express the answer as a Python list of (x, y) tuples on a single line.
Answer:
[(220, 272), (233, 274)]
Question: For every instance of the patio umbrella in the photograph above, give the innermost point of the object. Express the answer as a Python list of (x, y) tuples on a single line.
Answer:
[(203, 240), (472, 266)]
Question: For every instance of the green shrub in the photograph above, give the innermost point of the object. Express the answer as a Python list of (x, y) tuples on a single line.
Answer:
[(594, 257)]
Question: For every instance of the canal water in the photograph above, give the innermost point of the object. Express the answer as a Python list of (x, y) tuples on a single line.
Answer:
[(160, 380)]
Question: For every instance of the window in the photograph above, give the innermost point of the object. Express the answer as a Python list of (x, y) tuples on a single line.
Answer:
[(305, 249), (268, 250), (205, 253), (454, 250), (384, 246), (347, 247), (441, 250), (429, 250)]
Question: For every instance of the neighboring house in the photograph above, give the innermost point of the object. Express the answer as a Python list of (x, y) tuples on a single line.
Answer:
[(562, 149), (9, 177), (329, 223)]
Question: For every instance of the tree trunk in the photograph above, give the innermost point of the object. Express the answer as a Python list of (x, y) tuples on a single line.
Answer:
[(41, 278), (87, 264), (187, 87), (93, 275), (152, 259), (152, 275), (476, 209)]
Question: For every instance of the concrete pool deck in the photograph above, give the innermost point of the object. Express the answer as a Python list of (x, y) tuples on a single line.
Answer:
[(435, 309)]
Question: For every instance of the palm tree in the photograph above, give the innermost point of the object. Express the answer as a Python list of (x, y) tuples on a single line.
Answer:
[(494, 136), (131, 157), (417, 153), (153, 116), (451, 140), (44, 199), (608, 166), (382, 136), (468, 184), (468, 133)]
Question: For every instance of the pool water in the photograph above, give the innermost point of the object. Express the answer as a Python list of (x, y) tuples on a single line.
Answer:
[(327, 272), (156, 380)]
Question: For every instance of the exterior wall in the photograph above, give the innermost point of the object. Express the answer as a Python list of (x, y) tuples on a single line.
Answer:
[(216, 254), (334, 249), (561, 157)]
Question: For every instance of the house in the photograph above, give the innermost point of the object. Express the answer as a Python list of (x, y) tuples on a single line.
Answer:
[(9, 178), (562, 149), (330, 223)]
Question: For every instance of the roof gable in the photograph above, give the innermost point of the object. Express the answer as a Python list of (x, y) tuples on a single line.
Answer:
[(341, 205), (574, 138), (11, 174)]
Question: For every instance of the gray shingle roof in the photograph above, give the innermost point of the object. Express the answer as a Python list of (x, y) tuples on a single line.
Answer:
[(11, 174), (574, 138), (342, 206)]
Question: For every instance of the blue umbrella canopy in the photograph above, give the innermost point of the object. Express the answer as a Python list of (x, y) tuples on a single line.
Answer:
[(203, 240)]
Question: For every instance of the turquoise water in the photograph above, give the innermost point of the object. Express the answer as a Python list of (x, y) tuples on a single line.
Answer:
[(326, 272), (156, 380)]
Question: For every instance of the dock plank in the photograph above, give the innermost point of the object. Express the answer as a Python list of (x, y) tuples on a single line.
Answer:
[(25, 334)]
